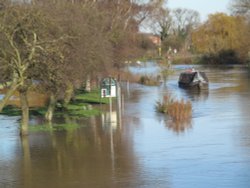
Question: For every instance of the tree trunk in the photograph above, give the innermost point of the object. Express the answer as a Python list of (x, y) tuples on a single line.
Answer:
[(27, 171), (51, 108), (68, 93), (25, 112), (7, 96), (88, 84)]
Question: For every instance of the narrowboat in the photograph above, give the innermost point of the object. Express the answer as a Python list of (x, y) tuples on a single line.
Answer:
[(192, 78)]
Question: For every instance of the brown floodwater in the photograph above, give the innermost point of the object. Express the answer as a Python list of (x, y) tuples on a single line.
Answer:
[(138, 147)]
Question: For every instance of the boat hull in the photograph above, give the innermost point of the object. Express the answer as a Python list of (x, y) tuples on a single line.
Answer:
[(193, 80), (193, 85)]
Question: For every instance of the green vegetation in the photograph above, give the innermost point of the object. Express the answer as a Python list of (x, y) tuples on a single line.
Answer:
[(80, 110), (61, 52), (81, 106), (11, 110), (222, 39), (53, 127), (39, 43), (92, 97)]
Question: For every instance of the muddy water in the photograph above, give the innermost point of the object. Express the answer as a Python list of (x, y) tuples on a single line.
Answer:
[(141, 148)]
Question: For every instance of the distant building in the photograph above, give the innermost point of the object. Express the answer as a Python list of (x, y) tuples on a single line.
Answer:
[(155, 39)]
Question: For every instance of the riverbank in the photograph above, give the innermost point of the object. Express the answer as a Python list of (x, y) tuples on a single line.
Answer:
[(80, 106), (142, 148)]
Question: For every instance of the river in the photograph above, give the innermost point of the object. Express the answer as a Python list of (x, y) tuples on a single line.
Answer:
[(139, 147)]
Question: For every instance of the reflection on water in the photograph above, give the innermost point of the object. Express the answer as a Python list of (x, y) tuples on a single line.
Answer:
[(141, 147), (179, 126), (196, 95)]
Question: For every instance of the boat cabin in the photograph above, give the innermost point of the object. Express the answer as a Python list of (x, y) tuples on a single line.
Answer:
[(193, 79)]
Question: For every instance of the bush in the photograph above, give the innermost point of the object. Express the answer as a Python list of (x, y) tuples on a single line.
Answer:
[(178, 110), (149, 81), (222, 57), (162, 106)]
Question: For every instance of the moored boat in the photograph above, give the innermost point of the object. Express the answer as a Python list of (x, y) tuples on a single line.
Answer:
[(192, 78)]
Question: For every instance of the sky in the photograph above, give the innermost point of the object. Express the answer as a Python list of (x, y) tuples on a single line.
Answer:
[(204, 7)]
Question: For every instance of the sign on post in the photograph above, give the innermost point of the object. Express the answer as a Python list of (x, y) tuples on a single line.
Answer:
[(108, 87)]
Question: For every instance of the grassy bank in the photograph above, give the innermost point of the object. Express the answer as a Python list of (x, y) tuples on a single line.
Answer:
[(80, 106), (53, 127)]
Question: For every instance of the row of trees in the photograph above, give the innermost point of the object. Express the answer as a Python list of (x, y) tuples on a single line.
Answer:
[(61, 44), (55, 46), (174, 27), (221, 39)]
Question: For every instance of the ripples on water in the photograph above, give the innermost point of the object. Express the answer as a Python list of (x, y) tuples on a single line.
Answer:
[(144, 149)]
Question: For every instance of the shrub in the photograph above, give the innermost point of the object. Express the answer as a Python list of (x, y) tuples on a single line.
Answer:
[(162, 106), (148, 80), (178, 110)]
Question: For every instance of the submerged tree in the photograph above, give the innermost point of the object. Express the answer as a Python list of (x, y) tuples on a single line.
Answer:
[(25, 41), (57, 45)]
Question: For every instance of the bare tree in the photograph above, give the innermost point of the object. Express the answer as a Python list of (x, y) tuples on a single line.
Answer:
[(184, 21), (62, 42), (25, 41), (241, 7)]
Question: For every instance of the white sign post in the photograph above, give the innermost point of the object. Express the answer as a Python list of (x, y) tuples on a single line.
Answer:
[(108, 89)]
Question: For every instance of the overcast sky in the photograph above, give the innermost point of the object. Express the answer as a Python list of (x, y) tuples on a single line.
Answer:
[(204, 7)]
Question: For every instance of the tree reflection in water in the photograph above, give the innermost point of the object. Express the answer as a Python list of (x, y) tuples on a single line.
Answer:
[(91, 153)]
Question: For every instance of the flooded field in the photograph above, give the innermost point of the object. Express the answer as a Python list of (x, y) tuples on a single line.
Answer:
[(138, 147)]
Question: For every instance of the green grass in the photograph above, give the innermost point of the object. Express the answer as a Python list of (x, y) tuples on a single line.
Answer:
[(11, 111), (53, 127), (81, 106), (92, 97), (81, 110)]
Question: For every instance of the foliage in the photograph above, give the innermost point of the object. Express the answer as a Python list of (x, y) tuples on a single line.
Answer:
[(180, 110), (62, 44), (148, 80), (221, 35), (53, 127), (175, 26), (11, 110), (26, 43), (80, 107), (162, 106), (222, 57)]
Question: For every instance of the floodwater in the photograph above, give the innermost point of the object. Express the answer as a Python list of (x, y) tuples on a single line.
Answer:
[(138, 147)]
